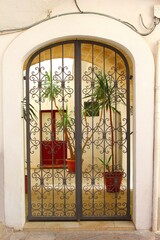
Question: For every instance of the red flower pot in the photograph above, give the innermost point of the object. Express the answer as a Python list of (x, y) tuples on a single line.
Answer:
[(71, 165), (113, 181)]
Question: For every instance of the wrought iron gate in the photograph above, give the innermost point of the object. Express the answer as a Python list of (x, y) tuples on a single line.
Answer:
[(78, 132)]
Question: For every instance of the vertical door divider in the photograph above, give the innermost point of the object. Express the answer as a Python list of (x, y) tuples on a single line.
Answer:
[(78, 129)]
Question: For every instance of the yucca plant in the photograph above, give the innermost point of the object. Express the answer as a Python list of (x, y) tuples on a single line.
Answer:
[(65, 124), (106, 164), (106, 94), (50, 89)]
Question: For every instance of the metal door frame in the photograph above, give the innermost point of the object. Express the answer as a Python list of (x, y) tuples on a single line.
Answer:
[(78, 130)]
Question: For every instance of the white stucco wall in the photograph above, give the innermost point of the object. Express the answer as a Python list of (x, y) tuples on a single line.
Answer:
[(28, 12), (4, 42), (63, 28), (156, 189)]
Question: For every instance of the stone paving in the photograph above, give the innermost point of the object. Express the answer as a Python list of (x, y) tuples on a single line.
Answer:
[(9, 234)]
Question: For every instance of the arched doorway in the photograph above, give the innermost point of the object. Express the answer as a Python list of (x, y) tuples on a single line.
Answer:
[(78, 111), (143, 101)]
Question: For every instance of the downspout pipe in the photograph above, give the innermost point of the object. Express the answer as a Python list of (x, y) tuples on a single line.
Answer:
[(156, 143)]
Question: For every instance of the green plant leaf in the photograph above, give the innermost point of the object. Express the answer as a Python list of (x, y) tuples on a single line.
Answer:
[(32, 110), (51, 89), (106, 164)]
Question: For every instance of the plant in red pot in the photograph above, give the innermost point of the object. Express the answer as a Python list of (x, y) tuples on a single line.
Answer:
[(113, 178), (65, 125), (108, 96)]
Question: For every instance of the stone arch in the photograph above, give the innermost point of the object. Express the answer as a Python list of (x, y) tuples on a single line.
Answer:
[(71, 27)]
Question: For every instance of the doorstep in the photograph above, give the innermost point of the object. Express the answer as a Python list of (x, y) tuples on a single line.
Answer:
[(83, 225)]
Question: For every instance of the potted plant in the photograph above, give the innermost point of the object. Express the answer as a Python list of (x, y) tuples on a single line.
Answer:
[(113, 178), (106, 94), (65, 123)]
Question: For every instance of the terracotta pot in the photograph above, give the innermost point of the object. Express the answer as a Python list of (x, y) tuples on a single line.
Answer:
[(113, 181), (71, 164)]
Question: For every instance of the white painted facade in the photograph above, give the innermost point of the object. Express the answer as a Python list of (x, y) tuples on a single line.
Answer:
[(15, 49)]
